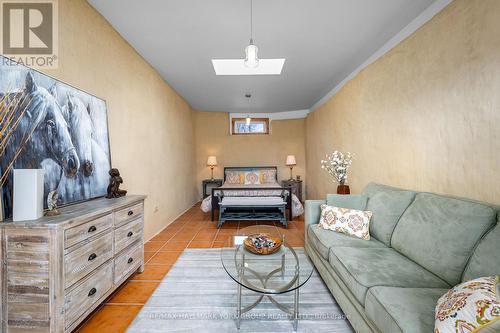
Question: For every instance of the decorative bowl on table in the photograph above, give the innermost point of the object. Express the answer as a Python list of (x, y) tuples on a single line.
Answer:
[(262, 243)]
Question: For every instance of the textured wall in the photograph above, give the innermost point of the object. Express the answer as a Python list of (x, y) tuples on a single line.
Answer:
[(150, 125), (212, 138), (426, 115)]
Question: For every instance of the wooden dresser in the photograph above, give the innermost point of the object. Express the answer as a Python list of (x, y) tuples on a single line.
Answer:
[(56, 270)]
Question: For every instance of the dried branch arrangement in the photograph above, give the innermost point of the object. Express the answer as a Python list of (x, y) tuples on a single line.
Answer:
[(337, 164), (13, 107)]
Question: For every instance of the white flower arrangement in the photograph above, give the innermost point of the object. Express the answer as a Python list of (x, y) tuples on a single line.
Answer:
[(337, 164)]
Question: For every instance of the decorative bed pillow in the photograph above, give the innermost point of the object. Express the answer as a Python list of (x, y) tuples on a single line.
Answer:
[(233, 177), (268, 176), (347, 221), (472, 306), (252, 178)]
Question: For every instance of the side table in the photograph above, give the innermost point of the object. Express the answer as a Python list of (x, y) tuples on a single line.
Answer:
[(208, 184), (295, 185)]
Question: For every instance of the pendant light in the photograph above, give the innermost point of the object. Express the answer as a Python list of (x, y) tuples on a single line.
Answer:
[(248, 119), (251, 57)]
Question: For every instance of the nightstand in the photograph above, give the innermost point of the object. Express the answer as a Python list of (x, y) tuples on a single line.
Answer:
[(209, 184), (295, 185)]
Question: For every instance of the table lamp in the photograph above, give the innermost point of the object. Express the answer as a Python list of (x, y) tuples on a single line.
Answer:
[(290, 161), (212, 162)]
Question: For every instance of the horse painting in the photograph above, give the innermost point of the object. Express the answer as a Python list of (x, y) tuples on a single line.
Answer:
[(47, 132), (56, 133)]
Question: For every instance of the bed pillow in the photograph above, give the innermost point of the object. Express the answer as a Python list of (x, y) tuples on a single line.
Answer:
[(252, 178), (351, 222), (268, 176), (472, 306), (233, 177)]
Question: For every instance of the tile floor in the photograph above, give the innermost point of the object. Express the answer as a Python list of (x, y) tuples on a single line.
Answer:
[(191, 230)]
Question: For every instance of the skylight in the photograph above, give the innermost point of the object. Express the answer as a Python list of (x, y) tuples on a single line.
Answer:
[(237, 67)]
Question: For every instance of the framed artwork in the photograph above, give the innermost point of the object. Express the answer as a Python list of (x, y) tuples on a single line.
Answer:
[(248, 126), (61, 129)]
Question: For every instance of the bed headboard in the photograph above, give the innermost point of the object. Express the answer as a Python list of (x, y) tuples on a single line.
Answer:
[(257, 168)]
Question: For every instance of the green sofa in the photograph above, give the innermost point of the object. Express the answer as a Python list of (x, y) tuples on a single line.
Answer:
[(421, 245)]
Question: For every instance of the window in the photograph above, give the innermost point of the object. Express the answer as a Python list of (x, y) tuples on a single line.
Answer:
[(256, 126)]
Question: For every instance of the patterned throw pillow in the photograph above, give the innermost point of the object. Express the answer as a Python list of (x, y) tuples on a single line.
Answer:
[(252, 178), (233, 177), (347, 221), (268, 176), (472, 306)]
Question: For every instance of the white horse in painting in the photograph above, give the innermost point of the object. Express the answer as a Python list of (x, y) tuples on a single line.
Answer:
[(100, 177), (92, 177), (47, 136), (80, 127)]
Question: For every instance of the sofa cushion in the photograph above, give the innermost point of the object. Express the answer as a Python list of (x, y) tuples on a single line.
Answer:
[(440, 233), (355, 201), (387, 205), (322, 240), (363, 268), (409, 310), (485, 260)]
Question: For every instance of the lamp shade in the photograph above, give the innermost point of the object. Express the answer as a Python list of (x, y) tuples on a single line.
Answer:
[(290, 160), (212, 161)]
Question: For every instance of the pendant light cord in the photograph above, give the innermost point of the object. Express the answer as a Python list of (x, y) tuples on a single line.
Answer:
[(251, 21)]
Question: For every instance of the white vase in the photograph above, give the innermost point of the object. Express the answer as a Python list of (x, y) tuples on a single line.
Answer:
[(28, 194)]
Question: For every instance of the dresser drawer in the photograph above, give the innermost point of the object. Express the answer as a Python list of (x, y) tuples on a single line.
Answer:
[(128, 234), (128, 261), (87, 230), (86, 258), (80, 299), (126, 214)]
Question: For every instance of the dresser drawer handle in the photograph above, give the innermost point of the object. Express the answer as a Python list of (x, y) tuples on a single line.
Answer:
[(130, 234), (130, 213), (92, 228), (130, 260), (92, 256), (92, 291)]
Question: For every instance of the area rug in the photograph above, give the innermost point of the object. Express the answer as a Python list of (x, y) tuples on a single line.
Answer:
[(197, 295)]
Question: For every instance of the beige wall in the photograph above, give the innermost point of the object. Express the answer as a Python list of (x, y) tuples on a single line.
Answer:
[(425, 116), (151, 132), (213, 138)]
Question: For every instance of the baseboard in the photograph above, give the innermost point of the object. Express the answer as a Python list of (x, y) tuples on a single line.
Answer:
[(172, 221)]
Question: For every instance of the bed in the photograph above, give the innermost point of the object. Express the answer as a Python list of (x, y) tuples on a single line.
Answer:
[(252, 193)]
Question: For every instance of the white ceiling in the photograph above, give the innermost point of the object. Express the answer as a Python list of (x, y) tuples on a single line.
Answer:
[(323, 41)]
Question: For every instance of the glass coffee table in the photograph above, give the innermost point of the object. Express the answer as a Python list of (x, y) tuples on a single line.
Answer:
[(282, 272)]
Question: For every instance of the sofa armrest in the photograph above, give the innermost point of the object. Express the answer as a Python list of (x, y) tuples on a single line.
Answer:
[(312, 211)]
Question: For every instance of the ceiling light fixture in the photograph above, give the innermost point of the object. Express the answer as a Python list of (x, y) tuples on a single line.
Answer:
[(251, 65), (248, 120), (251, 57)]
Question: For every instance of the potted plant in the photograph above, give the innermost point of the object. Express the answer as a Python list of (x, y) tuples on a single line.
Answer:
[(337, 164)]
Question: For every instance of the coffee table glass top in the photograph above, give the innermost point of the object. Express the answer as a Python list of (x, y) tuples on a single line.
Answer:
[(277, 273)]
